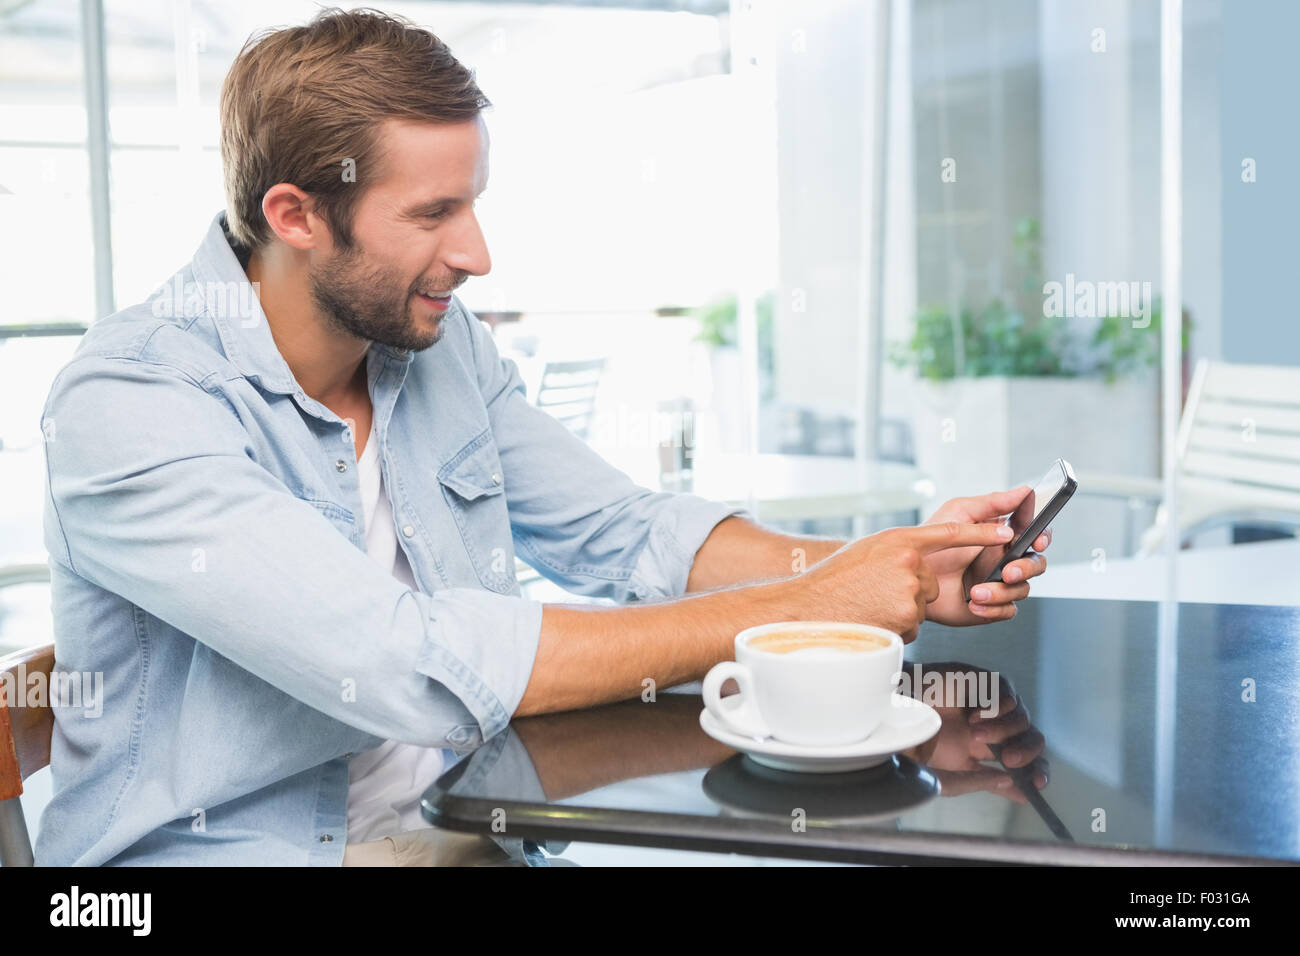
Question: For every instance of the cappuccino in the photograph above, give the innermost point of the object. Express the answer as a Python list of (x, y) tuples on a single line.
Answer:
[(829, 638), (837, 693)]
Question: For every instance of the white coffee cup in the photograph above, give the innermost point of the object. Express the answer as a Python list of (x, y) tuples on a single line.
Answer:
[(813, 696)]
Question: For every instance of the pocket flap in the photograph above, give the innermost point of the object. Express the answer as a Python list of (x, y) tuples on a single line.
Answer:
[(475, 471)]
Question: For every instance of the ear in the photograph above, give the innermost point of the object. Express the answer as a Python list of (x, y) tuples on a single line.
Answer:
[(290, 213)]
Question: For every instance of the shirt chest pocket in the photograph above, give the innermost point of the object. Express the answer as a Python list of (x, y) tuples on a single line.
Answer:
[(473, 485)]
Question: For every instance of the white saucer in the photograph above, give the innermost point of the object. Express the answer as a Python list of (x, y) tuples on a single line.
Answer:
[(908, 723)]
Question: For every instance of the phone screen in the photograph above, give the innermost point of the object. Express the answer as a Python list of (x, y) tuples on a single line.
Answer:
[(1057, 482)]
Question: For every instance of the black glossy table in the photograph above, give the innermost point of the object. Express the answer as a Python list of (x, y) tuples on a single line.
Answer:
[(1169, 734)]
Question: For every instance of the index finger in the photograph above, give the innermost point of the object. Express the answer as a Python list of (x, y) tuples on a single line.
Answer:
[(955, 534), (995, 502)]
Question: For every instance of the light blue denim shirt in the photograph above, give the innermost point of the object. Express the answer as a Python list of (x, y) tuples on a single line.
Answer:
[(204, 525)]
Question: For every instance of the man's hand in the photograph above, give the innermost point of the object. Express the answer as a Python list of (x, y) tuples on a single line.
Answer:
[(994, 601), (886, 579), (971, 729)]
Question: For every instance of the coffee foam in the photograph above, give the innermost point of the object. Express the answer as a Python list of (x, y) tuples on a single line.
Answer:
[(822, 639)]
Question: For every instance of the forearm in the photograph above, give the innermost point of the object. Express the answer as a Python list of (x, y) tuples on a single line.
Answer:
[(738, 551), (594, 655), (588, 655)]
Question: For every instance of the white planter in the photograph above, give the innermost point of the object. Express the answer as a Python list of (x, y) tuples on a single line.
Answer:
[(727, 405), (977, 435)]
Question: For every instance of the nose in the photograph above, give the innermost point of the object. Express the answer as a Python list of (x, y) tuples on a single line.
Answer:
[(469, 251)]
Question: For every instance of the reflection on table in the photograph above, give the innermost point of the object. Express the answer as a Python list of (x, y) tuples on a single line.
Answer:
[(1153, 759)]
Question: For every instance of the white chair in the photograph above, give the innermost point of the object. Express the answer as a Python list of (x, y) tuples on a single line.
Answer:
[(1238, 454), (568, 392)]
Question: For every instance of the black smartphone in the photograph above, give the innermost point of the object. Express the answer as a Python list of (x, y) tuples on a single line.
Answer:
[(1030, 519)]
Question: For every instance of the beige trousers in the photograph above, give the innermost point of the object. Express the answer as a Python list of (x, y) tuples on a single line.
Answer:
[(427, 847)]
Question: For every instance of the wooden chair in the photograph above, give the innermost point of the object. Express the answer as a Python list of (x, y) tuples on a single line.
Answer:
[(24, 747)]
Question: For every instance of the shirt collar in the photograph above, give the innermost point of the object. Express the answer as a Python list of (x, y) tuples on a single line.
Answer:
[(244, 332)]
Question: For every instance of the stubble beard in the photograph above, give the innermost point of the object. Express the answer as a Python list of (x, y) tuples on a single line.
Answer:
[(360, 300)]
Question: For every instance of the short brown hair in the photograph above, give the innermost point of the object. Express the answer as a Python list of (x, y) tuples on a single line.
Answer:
[(300, 102)]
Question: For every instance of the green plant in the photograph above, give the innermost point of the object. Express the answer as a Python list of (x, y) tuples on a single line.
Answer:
[(719, 328), (997, 341), (1124, 349), (718, 320), (1011, 336)]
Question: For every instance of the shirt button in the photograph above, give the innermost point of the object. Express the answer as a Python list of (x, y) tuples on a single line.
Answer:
[(341, 465), (326, 838), (461, 735), (496, 479), (407, 531)]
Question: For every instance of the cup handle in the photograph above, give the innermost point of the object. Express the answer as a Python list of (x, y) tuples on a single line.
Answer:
[(744, 719)]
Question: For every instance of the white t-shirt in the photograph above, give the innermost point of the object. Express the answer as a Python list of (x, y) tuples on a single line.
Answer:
[(384, 784)]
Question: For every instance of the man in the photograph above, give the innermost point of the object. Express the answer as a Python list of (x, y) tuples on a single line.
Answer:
[(284, 526)]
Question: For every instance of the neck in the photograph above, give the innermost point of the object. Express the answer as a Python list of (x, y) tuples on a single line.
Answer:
[(329, 364)]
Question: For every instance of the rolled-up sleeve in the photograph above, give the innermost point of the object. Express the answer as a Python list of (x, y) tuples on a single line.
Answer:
[(490, 676), (577, 519), (155, 495), (680, 528)]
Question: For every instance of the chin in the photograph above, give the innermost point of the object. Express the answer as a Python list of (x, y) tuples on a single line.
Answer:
[(428, 341), (417, 336)]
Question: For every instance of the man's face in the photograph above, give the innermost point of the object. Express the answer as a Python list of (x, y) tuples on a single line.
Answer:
[(415, 236)]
